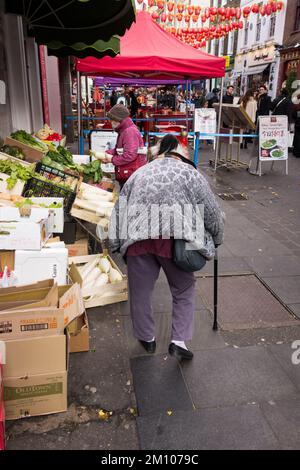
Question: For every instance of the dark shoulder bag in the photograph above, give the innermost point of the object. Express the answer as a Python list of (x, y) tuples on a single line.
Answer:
[(187, 260)]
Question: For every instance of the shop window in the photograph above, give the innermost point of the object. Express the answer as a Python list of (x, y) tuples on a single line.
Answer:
[(272, 25), (258, 28), (297, 22), (246, 33)]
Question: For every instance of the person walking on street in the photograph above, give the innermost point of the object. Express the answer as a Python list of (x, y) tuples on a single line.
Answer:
[(213, 97), (263, 102), (125, 156), (249, 104), (171, 182), (282, 105), (113, 99), (228, 97), (134, 105)]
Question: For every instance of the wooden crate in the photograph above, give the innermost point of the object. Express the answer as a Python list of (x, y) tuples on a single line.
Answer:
[(106, 295), (89, 216), (32, 155)]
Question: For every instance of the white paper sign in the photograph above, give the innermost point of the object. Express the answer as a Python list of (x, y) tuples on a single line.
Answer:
[(205, 121), (103, 140), (273, 138)]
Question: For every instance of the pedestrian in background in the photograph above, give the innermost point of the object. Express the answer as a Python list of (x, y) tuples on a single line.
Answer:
[(249, 104), (228, 97), (263, 102), (213, 97), (282, 105)]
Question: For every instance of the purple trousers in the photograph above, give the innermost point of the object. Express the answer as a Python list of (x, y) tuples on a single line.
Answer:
[(143, 272)]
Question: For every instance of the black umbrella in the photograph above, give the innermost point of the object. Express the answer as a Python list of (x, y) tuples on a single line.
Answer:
[(73, 21)]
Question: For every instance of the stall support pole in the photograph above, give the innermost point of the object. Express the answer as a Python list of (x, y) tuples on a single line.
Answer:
[(186, 105), (104, 101), (196, 149), (219, 124), (215, 324), (79, 116)]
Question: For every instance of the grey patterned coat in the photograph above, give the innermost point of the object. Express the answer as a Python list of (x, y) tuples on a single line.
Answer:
[(173, 184)]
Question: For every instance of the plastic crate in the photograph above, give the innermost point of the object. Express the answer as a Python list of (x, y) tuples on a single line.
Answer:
[(36, 187), (66, 177)]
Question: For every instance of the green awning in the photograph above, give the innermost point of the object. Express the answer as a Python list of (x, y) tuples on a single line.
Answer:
[(74, 21), (99, 49)]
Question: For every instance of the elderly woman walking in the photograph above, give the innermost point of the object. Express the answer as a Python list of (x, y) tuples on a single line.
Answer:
[(147, 237)]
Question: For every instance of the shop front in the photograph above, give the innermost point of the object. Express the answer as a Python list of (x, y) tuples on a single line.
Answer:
[(289, 64)]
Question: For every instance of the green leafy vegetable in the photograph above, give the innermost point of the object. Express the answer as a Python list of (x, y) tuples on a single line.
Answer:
[(15, 171), (25, 138)]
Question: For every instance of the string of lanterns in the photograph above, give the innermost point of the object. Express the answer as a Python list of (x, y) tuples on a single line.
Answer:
[(224, 19)]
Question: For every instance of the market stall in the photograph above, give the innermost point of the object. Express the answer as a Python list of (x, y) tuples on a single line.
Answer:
[(160, 56)]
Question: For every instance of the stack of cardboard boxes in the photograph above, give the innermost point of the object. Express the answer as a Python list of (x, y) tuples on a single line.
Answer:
[(38, 324), (2, 431), (25, 247)]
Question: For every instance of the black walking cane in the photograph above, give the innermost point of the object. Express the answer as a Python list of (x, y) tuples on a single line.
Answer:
[(215, 325)]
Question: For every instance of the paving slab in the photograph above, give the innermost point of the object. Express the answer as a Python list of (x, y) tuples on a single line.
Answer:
[(274, 266), (233, 265), (159, 385), (287, 288), (295, 309), (238, 427), (283, 417), (288, 356), (233, 376), (117, 434), (203, 338), (244, 302)]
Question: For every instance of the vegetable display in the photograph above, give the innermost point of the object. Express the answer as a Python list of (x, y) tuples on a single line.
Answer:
[(46, 133), (13, 151), (25, 138), (98, 273), (15, 171), (62, 157), (92, 171)]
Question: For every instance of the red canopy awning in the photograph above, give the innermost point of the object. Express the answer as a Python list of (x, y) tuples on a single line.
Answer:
[(150, 52)]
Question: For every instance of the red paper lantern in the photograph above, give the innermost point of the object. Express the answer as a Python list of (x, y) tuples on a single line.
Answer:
[(227, 14), (187, 18), (246, 12), (279, 6), (179, 16), (262, 10), (222, 11), (163, 17), (160, 4), (180, 7), (203, 18), (170, 6), (190, 10), (213, 28), (255, 8), (155, 15), (197, 10), (195, 18), (274, 7), (232, 11), (150, 3), (170, 17), (213, 11), (268, 9), (241, 25), (140, 1), (238, 13)]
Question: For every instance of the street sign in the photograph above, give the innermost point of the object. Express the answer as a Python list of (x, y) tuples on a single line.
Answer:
[(273, 138)]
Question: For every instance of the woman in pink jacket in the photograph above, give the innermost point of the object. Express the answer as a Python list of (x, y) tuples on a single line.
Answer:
[(129, 140)]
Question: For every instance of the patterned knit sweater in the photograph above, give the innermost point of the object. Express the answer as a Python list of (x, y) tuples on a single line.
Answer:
[(174, 185)]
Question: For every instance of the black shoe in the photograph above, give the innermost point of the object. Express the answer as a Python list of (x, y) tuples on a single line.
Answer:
[(149, 346), (180, 353)]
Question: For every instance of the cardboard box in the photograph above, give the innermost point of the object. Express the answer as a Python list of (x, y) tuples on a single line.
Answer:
[(107, 294), (17, 190), (48, 263), (19, 324), (79, 334), (7, 258), (79, 248), (2, 417), (35, 395), (35, 356), (30, 233), (10, 298), (58, 212), (31, 155)]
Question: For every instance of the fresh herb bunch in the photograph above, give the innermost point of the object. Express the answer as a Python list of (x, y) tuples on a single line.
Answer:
[(15, 171)]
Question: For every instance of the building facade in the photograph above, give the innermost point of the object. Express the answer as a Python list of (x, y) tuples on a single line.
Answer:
[(258, 60), (289, 69), (29, 80)]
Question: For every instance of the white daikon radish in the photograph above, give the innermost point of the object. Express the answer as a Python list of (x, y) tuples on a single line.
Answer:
[(114, 276), (101, 281), (104, 212), (104, 264), (91, 278), (88, 268)]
